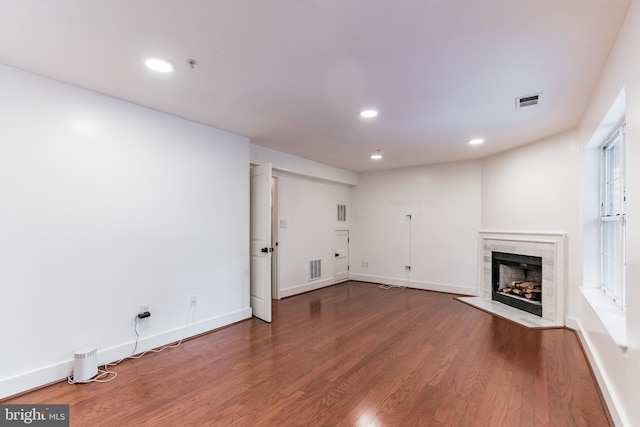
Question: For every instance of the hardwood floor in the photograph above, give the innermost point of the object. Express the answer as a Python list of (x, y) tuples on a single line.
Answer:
[(351, 355)]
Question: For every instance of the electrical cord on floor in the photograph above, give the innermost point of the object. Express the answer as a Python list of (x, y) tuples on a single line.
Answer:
[(100, 378), (387, 287), (408, 273), (191, 314)]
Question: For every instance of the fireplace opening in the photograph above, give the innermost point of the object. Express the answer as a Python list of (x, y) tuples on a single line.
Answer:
[(517, 281)]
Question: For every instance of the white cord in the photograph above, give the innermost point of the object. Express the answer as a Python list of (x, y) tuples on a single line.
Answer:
[(408, 273), (138, 356), (387, 287), (97, 379), (100, 378), (410, 264)]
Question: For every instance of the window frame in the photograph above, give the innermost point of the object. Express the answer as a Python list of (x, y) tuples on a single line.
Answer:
[(613, 211)]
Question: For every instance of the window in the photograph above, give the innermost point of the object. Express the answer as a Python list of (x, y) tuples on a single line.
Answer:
[(612, 216), (603, 211)]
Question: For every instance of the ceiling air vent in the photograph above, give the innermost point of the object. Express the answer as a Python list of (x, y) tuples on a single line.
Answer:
[(525, 101)]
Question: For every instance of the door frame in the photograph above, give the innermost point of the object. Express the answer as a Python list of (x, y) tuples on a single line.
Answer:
[(275, 224), (333, 246)]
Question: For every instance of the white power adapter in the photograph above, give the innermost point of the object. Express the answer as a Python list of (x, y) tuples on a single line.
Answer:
[(85, 364)]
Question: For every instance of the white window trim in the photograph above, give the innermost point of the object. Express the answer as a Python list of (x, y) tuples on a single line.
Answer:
[(618, 134), (611, 316)]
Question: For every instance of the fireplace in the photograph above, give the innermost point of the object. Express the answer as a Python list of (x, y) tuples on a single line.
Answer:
[(551, 249), (516, 280)]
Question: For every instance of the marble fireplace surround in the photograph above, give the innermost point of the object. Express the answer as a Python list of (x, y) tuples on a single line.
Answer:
[(551, 247)]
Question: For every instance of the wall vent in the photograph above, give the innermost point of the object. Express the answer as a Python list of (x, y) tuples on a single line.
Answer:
[(342, 212), (526, 101), (315, 269)]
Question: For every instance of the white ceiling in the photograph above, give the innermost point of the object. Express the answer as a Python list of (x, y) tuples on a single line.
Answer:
[(292, 75)]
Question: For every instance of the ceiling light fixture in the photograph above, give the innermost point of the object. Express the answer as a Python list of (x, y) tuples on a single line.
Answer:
[(476, 141), (368, 114), (160, 65), (377, 155)]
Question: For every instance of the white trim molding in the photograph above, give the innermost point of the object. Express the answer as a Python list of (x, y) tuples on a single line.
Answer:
[(306, 287), (609, 394)]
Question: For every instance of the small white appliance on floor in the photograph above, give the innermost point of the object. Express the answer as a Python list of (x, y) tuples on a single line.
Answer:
[(85, 364)]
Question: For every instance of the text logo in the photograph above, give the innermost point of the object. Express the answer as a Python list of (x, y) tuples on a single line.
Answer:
[(34, 415)]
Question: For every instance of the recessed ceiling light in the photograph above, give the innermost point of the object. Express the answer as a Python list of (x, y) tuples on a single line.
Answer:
[(160, 65), (476, 141), (377, 155), (368, 114)]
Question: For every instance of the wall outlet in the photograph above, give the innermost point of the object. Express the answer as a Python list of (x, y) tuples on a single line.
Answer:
[(193, 301), (407, 269), (145, 307), (365, 264)]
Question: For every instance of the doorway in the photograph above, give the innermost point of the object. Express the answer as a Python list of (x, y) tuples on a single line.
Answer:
[(341, 256)]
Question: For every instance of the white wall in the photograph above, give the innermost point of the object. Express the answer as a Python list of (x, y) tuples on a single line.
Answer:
[(106, 206), (309, 210), (440, 242), (619, 372), (533, 187), (536, 188)]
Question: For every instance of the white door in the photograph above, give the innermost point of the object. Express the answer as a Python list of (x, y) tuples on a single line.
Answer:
[(341, 255), (261, 242)]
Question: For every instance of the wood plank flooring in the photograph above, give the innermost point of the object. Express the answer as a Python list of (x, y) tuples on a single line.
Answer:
[(351, 355)]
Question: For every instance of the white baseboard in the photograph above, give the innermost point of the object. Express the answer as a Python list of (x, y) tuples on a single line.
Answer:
[(611, 400), (306, 287), (53, 373), (571, 323), (416, 284)]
